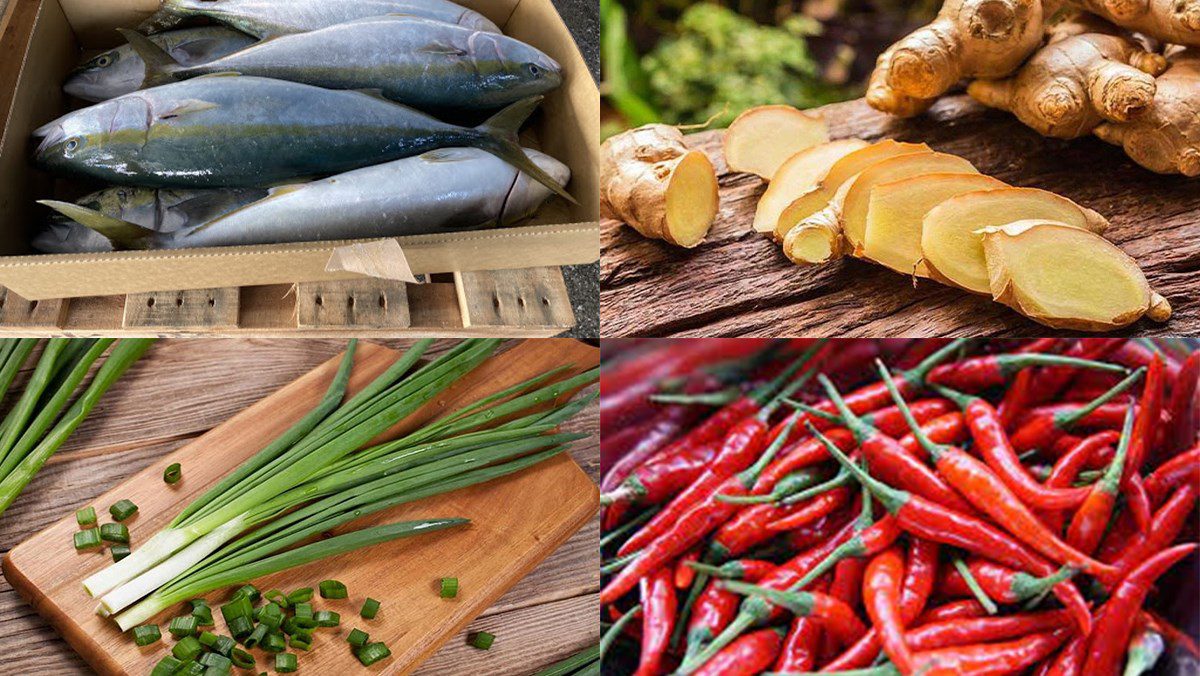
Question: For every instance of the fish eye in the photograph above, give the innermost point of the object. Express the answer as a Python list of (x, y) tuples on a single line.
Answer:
[(72, 145), (534, 70), (104, 61)]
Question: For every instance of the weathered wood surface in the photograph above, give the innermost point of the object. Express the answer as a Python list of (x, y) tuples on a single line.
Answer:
[(181, 389), (738, 283)]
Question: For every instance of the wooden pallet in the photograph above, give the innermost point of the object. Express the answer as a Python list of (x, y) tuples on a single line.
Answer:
[(531, 302)]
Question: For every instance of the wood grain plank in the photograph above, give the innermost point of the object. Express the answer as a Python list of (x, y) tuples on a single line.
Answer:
[(356, 303), (76, 477), (738, 283), (531, 297), (191, 310), (32, 315)]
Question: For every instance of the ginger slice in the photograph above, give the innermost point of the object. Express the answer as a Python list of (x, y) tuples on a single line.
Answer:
[(1067, 278), (817, 239), (799, 174), (815, 197), (858, 195), (951, 246), (895, 211), (651, 180), (763, 138)]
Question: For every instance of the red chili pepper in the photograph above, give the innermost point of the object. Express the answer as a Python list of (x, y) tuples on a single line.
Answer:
[(935, 522), (747, 656), (881, 593), (847, 581), (800, 648), (917, 351), (1016, 398), (657, 481), (1183, 409), (751, 525), (989, 494), (992, 659), (953, 610), (1000, 583), (1173, 634), (836, 617), (1184, 467), (947, 633), (715, 608), (802, 455), (684, 574), (1133, 354), (1165, 526), (820, 506), (1069, 661), (1087, 452), (1145, 429), (1050, 381), (658, 618), (1092, 519), (1001, 455), (947, 429), (1117, 616), (635, 446), (980, 373)]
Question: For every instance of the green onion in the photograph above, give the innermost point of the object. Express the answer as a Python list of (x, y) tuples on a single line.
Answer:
[(241, 659), (224, 645), (300, 595), (184, 625), (240, 627), (203, 614), (274, 642), (86, 517), (370, 609), (115, 532), (239, 606), (87, 539), (372, 653), (119, 552), (285, 663), (208, 639), (482, 640), (188, 648), (146, 634), (271, 615), (250, 592), (173, 473), (327, 618), (278, 598), (303, 610), (300, 641), (332, 589), (166, 666), (449, 587), (257, 636), (573, 664), (358, 638), (193, 668), (122, 509), (215, 660)]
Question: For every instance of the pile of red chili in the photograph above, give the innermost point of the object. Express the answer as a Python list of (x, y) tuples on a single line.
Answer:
[(896, 506)]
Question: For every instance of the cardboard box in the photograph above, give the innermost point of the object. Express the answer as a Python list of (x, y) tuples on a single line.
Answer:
[(42, 40)]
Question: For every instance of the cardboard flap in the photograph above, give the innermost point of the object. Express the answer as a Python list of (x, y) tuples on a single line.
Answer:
[(382, 260)]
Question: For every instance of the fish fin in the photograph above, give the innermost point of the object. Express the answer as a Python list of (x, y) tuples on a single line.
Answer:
[(442, 48), (160, 66), (224, 73), (446, 155), (184, 107), (499, 137), (123, 234), (170, 15)]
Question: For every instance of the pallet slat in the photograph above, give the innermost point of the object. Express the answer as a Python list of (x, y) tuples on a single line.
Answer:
[(195, 310), (356, 303), (507, 298), (43, 315)]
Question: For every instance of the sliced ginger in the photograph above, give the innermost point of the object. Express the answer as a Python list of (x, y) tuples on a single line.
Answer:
[(895, 212), (951, 247), (818, 238), (801, 173), (651, 180), (763, 138), (800, 204), (1067, 277)]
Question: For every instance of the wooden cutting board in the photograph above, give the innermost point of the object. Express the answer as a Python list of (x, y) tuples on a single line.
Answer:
[(516, 521), (738, 283)]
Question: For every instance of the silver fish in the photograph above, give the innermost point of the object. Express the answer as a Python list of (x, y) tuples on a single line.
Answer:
[(120, 71), (242, 131), (430, 65), (270, 18), (442, 190), (163, 211)]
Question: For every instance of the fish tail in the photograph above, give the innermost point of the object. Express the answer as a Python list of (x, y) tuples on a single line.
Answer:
[(498, 136), (123, 234), (160, 66), (171, 14)]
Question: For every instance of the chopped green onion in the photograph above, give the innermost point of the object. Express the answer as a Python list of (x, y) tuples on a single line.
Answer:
[(327, 618), (300, 595), (122, 509), (271, 615), (300, 641), (115, 532), (166, 666), (203, 615), (238, 607), (370, 608), (224, 645), (332, 589), (358, 638), (240, 627), (278, 597), (250, 592), (274, 642), (215, 660), (302, 623), (285, 663), (173, 473), (372, 653), (87, 539), (188, 648), (303, 610), (184, 625), (241, 659), (193, 668), (146, 634), (482, 640), (449, 587), (208, 639), (289, 626), (86, 517), (257, 636), (119, 552)]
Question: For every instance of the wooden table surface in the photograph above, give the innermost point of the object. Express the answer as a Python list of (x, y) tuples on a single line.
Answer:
[(182, 388), (738, 283)]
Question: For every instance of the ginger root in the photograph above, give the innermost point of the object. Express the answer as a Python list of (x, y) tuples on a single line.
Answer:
[(799, 205), (1166, 139), (763, 138), (1067, 277), (968, 39), (801, 173), (952, 248), (651, 180), (818, 239), (896, 211), (1073, 85), (1172, 21)]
